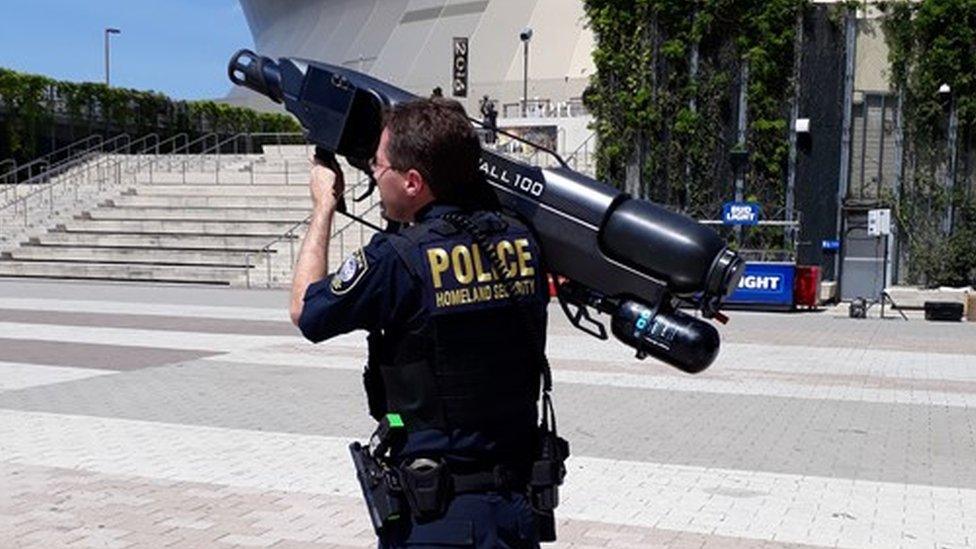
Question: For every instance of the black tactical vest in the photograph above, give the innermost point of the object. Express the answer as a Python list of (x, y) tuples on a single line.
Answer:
[(468, 362)]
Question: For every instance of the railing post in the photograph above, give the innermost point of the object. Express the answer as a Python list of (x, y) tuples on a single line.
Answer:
[(247, 269), (252, 172), (184, 171), (267, 255), (286, 168)]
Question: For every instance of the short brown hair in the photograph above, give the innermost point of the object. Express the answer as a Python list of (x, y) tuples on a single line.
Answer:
[(435, 137)]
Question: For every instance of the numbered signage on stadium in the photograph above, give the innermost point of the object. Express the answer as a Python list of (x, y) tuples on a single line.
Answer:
[(740, 213), (459, 86)]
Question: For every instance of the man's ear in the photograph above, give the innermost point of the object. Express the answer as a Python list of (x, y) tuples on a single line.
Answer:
[(414, 183)]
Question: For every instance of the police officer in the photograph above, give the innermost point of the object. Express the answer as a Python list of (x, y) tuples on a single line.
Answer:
[(454, 304)]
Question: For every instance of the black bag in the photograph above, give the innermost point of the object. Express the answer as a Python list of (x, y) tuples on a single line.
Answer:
[(943, 310)]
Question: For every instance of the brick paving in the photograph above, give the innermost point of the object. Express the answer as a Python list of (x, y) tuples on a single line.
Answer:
[(163, 416)]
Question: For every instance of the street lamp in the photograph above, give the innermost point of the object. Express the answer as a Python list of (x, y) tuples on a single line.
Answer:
[(525, 36), (108, 31), (946, 92)]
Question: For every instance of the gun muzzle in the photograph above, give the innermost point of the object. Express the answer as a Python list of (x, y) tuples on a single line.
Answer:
[(257, 73)]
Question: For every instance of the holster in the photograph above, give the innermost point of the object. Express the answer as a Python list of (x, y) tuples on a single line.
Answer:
[(427, 487), (380, 487), (548, 472)]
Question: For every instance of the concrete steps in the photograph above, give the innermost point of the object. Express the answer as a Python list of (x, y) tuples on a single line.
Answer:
[(218, 228), (147, 256), (171, 241), (223, 201), (207, 227), (126, 272), (222, 190), (212, 213), (227, 176)]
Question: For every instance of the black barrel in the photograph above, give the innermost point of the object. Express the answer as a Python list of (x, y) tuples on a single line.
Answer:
[(665, 244)]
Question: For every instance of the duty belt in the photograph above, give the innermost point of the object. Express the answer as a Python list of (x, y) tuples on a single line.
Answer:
[(497, 478)]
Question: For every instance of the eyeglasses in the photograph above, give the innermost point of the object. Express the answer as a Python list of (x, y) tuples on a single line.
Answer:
[(374, 165)]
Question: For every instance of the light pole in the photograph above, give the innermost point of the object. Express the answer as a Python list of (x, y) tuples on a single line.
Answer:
[(950, 180), (525, 36), (108, 31)]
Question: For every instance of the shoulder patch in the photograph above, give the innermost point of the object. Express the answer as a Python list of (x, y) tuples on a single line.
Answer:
[(350, 273)]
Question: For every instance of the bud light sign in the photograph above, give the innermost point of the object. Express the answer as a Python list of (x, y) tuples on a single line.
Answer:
[(765, 284), (740, 213)]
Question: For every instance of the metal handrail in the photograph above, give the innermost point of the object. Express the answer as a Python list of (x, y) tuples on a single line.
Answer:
[(202, 139), (277, 135), (585, 143), (187, 145), (236, 138), (46, 159), (42, 164), (69, 163), (84, 141), (120, 137), (10, 161), (147, 137), (266, 250), (199, 160), (290, 236), (174, 138), (216, 149), (128, 147), (98, 164), (107, 158), (176, 149), (155, 160), (45, 163)]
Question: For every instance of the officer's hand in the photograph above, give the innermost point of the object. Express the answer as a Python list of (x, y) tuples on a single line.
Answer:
[(325, 184)]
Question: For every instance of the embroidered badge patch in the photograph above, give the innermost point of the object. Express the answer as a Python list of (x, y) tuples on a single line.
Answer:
[(350, 273)]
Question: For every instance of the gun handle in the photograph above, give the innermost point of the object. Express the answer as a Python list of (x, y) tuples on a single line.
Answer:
[(328, 158)]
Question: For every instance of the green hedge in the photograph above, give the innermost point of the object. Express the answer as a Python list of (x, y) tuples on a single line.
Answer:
[(30, 105)]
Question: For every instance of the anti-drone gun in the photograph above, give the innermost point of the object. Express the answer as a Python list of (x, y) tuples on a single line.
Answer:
[(625, 257)]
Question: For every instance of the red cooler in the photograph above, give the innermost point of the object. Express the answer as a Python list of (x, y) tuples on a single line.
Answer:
[(806, 287)]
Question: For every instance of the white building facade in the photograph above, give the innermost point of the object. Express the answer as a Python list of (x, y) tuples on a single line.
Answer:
[(410, 44)]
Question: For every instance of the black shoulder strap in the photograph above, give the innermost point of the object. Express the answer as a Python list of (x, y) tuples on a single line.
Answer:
[(463, 222)]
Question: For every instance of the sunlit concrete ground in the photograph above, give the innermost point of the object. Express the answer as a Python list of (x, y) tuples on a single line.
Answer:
[(153, 416)]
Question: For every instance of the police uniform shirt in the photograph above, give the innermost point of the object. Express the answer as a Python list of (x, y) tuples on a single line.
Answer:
[(370, 290), (373, 289)]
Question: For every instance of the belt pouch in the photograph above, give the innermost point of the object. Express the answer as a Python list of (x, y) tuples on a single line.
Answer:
[(427, 486)]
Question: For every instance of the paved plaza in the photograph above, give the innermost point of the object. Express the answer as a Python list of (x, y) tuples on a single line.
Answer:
[(167, 416)]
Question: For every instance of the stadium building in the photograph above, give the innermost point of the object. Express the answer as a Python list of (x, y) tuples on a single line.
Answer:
[(410, 43)]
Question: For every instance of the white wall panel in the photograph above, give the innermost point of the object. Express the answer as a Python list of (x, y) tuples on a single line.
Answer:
[(408, 42)]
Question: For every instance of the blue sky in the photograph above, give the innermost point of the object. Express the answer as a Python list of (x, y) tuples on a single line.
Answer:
[(177, 47)]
